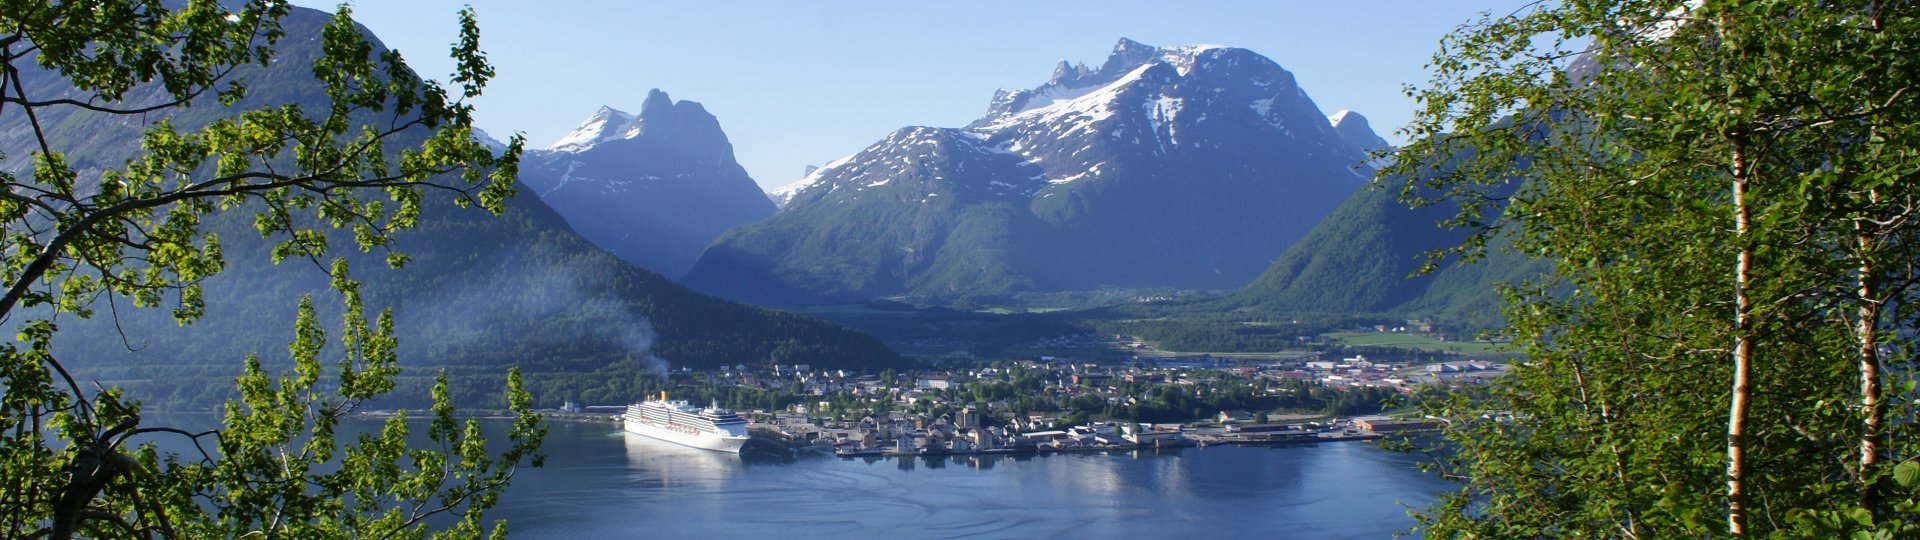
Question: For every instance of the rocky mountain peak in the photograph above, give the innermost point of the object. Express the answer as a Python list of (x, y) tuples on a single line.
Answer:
[(1068, 74), (1128, 54), (1354, 129), (657, 103), (653, 188), (684, 125)]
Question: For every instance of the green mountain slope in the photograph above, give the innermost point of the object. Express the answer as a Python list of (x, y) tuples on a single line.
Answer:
[(1356, 261), (1361, 260)]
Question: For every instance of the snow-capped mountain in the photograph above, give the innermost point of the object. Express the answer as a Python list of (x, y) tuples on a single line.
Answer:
[(653, 188), (1182, 167)]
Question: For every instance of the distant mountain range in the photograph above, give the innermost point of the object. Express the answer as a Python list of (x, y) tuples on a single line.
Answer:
[(654, 188), (1184, 167), (1187, 167), (482, 292)]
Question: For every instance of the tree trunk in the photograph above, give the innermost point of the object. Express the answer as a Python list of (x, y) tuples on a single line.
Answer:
[(1867, 335), (1742, 355)]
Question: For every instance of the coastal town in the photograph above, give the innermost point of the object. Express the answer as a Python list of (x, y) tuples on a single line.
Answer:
[(1051, 404)]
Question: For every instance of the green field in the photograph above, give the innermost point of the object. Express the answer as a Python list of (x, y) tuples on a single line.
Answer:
[(1257, 356), (849, 310), (1008, 331), (1012, 310), (1416, 342)]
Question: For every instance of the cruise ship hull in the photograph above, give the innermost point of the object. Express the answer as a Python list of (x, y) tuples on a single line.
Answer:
[(707, 441)]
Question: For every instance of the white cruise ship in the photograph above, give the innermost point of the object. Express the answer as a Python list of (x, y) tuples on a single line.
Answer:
[(712, 428)]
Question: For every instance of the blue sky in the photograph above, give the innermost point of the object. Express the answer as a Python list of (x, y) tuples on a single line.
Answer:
[(802, 83)]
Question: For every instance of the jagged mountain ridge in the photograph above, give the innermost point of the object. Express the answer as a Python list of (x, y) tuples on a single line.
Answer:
[(1184, 167), (652, 188)]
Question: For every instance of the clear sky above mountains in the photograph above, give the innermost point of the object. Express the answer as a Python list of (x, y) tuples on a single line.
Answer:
[(803, 83)]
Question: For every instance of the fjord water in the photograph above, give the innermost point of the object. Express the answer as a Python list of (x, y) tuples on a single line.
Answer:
[(601, 483)]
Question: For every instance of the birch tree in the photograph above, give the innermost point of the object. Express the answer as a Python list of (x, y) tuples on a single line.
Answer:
[(1727, 192)]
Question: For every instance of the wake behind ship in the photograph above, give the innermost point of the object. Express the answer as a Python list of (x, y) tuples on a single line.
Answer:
[(711, 428)]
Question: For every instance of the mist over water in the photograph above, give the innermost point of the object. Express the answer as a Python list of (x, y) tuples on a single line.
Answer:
[(521, 288)]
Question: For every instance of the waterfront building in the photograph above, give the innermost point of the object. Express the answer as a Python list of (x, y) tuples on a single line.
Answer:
[(1391, 425), (1149, 435)]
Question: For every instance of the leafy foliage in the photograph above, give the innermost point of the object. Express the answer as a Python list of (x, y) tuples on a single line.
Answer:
[(352, 158), (1725, 190)]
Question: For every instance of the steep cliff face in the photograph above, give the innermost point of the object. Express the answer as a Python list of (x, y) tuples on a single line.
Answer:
[(654, 188)]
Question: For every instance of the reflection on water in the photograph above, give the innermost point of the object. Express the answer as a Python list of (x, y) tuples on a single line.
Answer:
[(669, 464), (603, 483)]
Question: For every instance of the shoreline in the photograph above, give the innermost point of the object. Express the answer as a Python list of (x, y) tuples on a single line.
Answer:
[(1043, 450), (1201, 441)]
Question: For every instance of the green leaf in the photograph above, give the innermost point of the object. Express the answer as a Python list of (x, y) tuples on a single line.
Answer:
[(1907, 473), (1862, 516)]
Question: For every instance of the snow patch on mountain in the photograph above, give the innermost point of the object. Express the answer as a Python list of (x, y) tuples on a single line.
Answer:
[(1049, 96), (1183, 58), (605, 124), (1086, 107), (785, 194), (1264, 107), (566, 177), (1090, 172), (1161, 112)]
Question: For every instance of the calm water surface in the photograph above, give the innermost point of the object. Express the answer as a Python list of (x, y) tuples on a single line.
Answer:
[(602, 483)]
